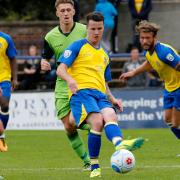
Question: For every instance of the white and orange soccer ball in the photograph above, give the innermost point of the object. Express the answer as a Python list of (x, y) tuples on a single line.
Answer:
[(122, 161)]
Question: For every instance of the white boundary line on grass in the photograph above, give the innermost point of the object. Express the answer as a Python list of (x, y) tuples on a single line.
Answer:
[(80, 169)]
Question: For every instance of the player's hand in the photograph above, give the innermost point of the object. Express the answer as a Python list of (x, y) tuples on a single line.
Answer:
[(72, 86), (126, 76), (14, 84), (118, 104), (45, 65)]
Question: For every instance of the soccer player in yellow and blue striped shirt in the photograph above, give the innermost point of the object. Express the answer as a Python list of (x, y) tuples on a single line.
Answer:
[(85, 66), (166, 61), (7, 74)]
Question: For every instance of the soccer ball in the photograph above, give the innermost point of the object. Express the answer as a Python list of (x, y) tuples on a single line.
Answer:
[(122, 161)]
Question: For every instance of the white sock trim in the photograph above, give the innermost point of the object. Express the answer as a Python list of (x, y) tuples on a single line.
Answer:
[(109, 123), (169, 124), (116, 139), (95, 132), (94, 161), (2, 136), (4, 113)]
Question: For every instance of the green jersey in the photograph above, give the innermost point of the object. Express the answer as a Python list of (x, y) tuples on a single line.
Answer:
[(55, 44)]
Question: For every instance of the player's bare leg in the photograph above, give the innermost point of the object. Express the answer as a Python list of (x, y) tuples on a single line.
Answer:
[(4, 117), (168, 117), (172, 118), (3, 146), (111, 120), (176, 118), (176, 122)]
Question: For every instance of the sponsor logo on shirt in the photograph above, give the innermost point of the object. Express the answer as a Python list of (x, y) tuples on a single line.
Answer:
[(170, 57), (67, 53), (87, 55), (158, 64), (58, 45)]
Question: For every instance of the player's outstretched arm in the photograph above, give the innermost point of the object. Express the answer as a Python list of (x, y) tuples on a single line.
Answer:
[(14, 73), (116, 102), (142, 68), (127, 75)]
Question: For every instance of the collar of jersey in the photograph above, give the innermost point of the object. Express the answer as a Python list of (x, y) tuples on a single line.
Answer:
[(92, 45), (67, 34), (155, 47)]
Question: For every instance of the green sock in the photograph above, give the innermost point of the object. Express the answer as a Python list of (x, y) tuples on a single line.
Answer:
[(85, 127), (78, 146)]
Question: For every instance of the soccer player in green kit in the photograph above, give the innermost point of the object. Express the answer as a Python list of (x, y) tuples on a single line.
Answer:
[(56, 41)]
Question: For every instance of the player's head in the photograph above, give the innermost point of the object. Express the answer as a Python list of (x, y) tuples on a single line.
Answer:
[(65, 10), (95, 27), (148, 34)]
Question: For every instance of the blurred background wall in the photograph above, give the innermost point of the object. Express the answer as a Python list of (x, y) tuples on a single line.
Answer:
[(166, 13)]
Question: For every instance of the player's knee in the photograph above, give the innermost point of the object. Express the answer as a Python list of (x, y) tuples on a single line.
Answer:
[(111, 118), (97, 124), (70, 128), (176, 125), (67, 125), (109, 115), (71, 119), (168, 115), (167, 119)]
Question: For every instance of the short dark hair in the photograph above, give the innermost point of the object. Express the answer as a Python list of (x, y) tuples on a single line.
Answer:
[(145, 26), (63, 2), (95, 16), (134, 47)]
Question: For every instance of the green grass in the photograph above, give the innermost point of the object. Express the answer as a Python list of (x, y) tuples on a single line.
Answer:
[(46, 155)]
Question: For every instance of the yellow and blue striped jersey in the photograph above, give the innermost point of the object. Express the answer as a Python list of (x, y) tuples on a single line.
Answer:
[(163, 60), (7, 52), (88, 66)]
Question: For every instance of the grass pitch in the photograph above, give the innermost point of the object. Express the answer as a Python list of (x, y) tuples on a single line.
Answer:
[(46, 155)]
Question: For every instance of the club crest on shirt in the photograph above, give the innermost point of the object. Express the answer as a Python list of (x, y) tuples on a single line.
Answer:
[(67, 53), (170, 57)]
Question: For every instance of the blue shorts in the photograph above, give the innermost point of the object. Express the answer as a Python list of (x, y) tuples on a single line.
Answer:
[(6, 89), (87, 101), (172, 99)]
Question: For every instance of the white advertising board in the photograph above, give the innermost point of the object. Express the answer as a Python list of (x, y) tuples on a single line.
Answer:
[(33, 111)]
